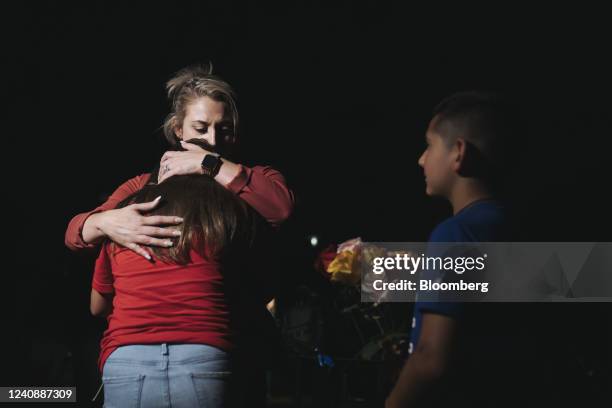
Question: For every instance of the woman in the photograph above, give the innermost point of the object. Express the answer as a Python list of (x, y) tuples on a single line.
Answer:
[(203, 107), (175, 316)]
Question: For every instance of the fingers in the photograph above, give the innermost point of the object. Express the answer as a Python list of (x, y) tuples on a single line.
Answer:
[(161, 220), (165, 167), (173, 172), (181, 163), (146, 206), (150, 241), (139, 250), (159, 232), (191, 146), (168, 155)]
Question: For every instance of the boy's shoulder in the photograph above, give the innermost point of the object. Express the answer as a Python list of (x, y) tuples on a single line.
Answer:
[(483, 221)]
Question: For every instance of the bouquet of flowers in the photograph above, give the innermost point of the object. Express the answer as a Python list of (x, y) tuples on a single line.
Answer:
[(344, 263)]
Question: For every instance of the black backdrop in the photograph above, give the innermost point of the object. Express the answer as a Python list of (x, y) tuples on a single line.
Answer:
[(334, 94)]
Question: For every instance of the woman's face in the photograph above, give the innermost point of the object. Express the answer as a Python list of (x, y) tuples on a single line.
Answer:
[(206, 119)]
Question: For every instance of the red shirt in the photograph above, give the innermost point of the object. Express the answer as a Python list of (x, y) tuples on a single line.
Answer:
[(196, 291), (159, 302), (262, 187)]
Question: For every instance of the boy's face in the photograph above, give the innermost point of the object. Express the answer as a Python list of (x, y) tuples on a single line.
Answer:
[(439, 162)]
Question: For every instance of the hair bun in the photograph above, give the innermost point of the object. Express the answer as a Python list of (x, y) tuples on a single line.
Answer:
[(187, 76)]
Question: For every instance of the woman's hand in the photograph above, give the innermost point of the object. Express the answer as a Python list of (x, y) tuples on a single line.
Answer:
[(128, 227), (176, 163)]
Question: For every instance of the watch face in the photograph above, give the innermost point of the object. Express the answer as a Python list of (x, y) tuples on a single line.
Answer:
[(210, 164)]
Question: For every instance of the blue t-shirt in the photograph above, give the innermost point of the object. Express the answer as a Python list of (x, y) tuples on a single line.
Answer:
[(480, 221)]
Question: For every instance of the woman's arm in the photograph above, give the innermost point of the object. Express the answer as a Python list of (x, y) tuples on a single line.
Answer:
[(83, 229), (125, 226), (262, 187)]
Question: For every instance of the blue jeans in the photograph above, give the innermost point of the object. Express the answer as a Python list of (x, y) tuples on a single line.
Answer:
[(168, 375)]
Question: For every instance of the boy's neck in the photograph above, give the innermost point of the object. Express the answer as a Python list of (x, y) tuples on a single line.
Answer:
[(465, 193)]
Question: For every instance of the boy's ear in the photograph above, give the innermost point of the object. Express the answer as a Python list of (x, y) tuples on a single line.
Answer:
[(459, 151), (469, 162)]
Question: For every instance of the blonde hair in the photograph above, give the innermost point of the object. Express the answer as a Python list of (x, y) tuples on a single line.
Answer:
[(190, 83)]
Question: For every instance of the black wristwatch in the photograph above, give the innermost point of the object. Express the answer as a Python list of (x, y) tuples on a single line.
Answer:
[(211, 165)]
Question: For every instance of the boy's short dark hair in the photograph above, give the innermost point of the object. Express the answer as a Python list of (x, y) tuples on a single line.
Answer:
[(487, 121)]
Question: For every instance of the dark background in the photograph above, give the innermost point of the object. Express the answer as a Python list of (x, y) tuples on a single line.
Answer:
[(336, 95)]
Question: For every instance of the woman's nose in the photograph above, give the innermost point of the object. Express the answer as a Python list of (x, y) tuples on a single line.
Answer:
[(212, 136)]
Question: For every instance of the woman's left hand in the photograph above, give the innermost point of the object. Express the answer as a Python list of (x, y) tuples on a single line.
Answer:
[(175, 163)]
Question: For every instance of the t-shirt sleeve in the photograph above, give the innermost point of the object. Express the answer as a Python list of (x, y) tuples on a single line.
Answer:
[(103, 275)]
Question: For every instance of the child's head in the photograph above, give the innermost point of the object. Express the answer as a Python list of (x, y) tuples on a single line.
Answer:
[(465, 139), (217, 223)]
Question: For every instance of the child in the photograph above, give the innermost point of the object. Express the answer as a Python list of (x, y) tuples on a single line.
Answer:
[(462, 163)]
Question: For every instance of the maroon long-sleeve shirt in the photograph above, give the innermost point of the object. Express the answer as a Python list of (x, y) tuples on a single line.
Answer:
[(262, 187)]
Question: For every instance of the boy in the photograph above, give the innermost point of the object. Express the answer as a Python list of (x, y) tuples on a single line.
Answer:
[(462, 163)]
